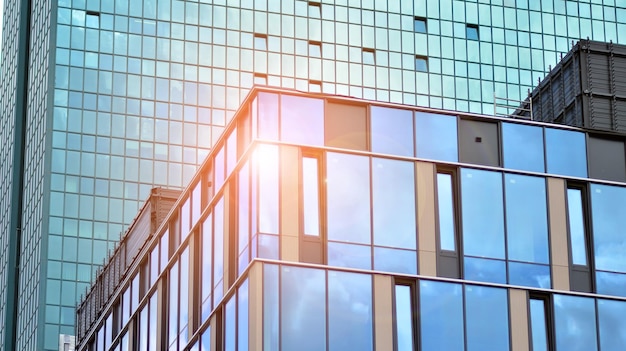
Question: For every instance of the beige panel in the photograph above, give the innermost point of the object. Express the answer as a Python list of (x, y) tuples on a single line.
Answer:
[(383, 312), (558, 233), (161, 313), (227, 231), (255, 307), (519, 320), (428, 263), (289, 207), (426, 218), (213, 325)]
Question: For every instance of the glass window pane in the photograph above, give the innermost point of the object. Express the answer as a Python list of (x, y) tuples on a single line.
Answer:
[(207, 254), (270, 307), (487, 318), (484, 270), (393, 186), (538, 325), (481, 197), (242, 317), (303, 309), (349, 311), (395, 260), (302, 120), (392, 131), (526, 218), (404, 318), (612, 324), (522, 147), (441, 307), (611, 283), (608, 205), (349, 255), (445, 203), (348, 196), (243, 227), (576, 226), (173, 304), (526, 274), (566, 152), (218, 251), (310, 194), (436, 136), (268, 116), (266, 157), (229, 324), (575, 323)]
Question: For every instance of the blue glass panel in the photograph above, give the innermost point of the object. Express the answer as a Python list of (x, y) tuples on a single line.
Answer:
[(349, 255), (611, 283), (207, 254), (526, 274), (268, 246), (481, 199), (404, 318), (270, 307), (612, 325), (244, 208), (393, 187), (268, 116), (576, 226), (441, 307), (206, 340), (395, 260), (303, 309), (445, 203), (526, 218), (349, 311), (348, 196), (538, 323), (229, 324), (575, 323), (566, 152), (242, 317), (311, 196), (608, 206), (486, 318), (218, 250), (522, 147), (436, 136), (302, 120), (484, 270), (392, 131)]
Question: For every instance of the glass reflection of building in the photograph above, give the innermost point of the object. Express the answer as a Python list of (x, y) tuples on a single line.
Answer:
[(314, 226)]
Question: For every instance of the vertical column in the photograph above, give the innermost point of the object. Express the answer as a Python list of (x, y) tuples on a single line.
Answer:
[(558, 234), (426, 218), (383, 312), (518, 306), (161, 315), (289, 203), (255, 307)]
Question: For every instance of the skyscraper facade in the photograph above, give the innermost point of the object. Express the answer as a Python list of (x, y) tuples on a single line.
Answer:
[(321, 222), (101, 100)]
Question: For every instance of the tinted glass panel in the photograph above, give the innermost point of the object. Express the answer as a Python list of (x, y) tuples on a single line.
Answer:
[(270, 307), (522, 147), (349, 311), (484, 270), (576, 226), (479, 142), (441, 306), (611, 283), (575, 323), (395, 260), (486, 318), (268, 116), (566, 152), (404, 318), (303, 309), (538, 325), (445, 203), (349, 255), (526, 218), (348, 195), (612, 324), (481, 198), (436, 136), (346, 126), (606, 159), (310, 194), (207, 254), (608, 210), (229, 324), (393, 186), (527, 274), (302, 120), (392, 131), (242, 317)]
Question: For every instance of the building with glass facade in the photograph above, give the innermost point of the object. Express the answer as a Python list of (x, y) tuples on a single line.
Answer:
[(102, 100), (321, 222)]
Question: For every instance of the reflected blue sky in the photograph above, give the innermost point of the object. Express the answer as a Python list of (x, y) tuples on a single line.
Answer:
[(608, 210), (392, 131), (522, 147), (436, 136), (575, 323)]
